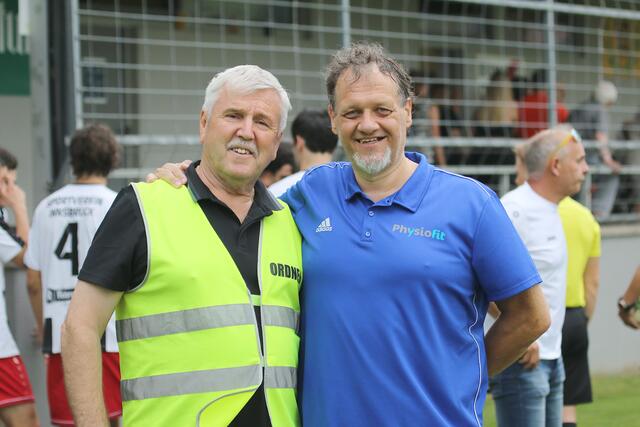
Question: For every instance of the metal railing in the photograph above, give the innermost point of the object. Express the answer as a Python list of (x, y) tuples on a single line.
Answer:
[(142, 66)]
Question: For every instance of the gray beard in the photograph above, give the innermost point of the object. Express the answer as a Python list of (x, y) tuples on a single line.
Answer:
[(372, 165)]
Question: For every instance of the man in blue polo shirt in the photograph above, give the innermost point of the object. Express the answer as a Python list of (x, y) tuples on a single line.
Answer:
[(400, 261)]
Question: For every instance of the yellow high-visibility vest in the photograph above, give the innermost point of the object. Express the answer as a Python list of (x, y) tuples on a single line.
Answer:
[(188, 336)]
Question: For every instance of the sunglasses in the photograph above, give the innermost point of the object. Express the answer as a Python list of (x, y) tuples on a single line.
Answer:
[(573, 135)]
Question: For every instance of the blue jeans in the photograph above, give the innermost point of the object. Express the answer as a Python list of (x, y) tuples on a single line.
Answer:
[(529, 398)]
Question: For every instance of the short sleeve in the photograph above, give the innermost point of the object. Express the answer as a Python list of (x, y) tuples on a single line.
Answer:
[(500, 260), (9, 247), (516, 218), (595, 247), (117, 257), (31, 258), (294, 196)]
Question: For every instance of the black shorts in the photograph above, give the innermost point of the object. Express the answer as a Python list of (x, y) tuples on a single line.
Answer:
[(575, 343)]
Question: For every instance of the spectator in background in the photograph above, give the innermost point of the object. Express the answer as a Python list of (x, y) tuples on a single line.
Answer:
[(519, 89), (529, 392), (582, 233), (498, 115), (629, 303), (631, 132), (282, 166), (518, 83), (534, 108), (421, 104), (591, 119), (449, 120), (426, 116), (458, 126), (313, 145), (445, 122), (17, 407)]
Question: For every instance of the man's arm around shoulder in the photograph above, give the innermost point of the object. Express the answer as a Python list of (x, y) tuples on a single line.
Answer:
[(88, 315), (523, 318)]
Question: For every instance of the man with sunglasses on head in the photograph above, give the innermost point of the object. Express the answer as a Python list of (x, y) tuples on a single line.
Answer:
[(529, 392)]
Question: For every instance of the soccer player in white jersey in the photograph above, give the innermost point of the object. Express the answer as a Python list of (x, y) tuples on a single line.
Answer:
[(63, 227), (16, 398)]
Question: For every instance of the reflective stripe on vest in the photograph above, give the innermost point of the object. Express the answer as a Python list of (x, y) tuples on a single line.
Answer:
[(202, 318), (190, 382), (206, 381), (280, 377)]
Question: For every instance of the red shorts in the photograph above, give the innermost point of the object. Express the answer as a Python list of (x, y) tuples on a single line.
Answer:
[(15, 387), (58, 404)]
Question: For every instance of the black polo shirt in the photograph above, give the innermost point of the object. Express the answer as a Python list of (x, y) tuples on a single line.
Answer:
[(117, 258)]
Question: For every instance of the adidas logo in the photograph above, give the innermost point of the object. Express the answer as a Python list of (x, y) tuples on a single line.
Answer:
[(324, 225)]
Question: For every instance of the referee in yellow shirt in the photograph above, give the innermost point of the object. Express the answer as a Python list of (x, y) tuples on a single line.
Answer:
[(582, 233)]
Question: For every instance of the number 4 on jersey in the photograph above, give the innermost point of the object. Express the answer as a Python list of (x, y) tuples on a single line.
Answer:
[(72, 254)]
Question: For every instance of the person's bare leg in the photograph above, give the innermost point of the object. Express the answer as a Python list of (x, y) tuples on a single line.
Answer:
[(569, 414), (23, 415)]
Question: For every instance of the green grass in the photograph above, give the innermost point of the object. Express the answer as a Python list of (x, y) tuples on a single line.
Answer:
[(616, 403)]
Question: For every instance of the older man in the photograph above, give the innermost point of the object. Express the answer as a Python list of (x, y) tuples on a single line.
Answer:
[(530, 392), (401, 260), (592, 120), (205, 337)]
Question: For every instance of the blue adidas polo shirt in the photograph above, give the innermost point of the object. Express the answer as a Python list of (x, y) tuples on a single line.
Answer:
[(395, 294)]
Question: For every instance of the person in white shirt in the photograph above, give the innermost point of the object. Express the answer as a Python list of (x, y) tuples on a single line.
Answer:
[(64, 224), (529, 392), (313, 145), (16, 397)]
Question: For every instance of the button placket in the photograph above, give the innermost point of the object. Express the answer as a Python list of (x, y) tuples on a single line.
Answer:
[(368, 225)]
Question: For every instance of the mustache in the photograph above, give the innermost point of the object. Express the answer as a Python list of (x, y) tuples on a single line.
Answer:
[(239, 143)]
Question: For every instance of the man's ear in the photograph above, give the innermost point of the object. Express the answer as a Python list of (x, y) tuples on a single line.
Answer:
[(275, 152), (555, 165), (204, 118), (298, 143), (408, 108), (332, 116)]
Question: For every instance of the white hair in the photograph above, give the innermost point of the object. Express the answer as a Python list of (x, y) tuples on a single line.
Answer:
[(606, 93), (539, 147), (246, 79)]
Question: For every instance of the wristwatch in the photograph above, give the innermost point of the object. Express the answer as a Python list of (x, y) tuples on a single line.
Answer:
[(625, 306)]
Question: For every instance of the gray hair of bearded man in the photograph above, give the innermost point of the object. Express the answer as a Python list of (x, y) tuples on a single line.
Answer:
[(246, 79), (358, 56)]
